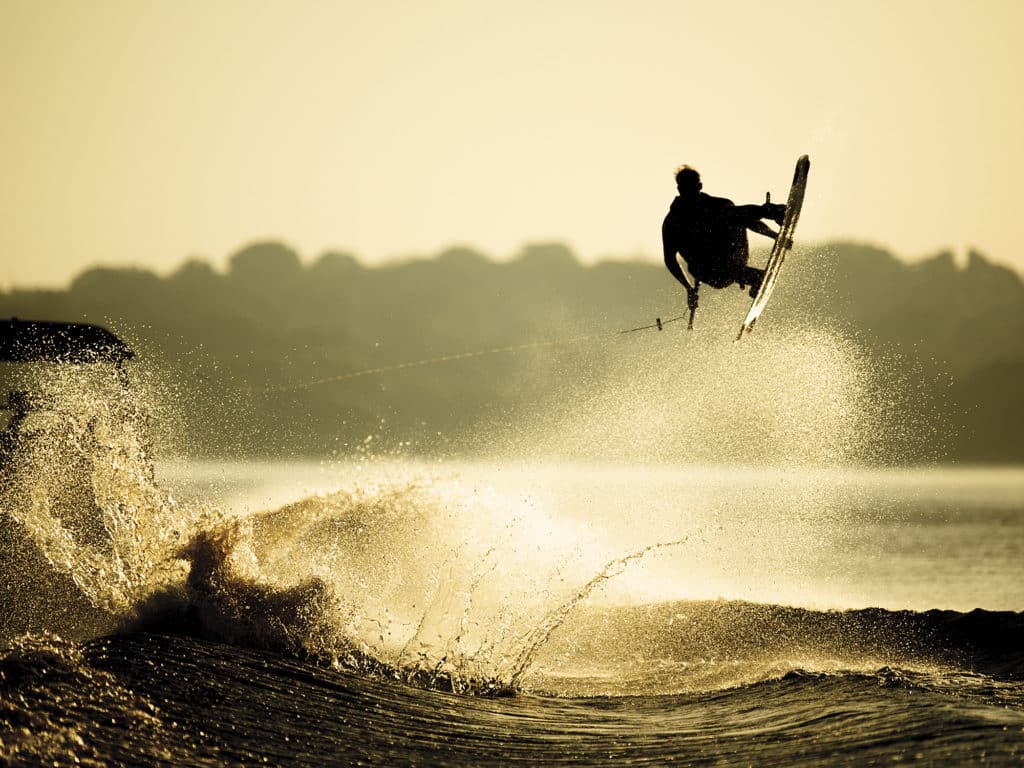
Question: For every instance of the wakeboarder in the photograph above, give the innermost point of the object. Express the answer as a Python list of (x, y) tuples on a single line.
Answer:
[(710, 233)]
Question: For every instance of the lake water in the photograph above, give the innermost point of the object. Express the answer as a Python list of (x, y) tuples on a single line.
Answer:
[(451, 613)]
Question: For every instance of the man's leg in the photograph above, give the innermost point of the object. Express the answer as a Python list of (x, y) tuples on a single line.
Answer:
[(753, 277)]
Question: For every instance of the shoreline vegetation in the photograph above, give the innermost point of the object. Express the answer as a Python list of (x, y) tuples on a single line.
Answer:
[(239, 349)]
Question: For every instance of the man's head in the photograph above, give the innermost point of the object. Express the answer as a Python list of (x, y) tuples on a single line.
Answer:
[(687, 181)]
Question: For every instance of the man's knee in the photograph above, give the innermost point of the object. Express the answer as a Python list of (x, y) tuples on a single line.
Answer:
[(717, 280), (752, 275)]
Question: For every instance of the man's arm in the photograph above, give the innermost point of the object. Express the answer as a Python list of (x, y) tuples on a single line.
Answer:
[(668, 246), (671, 261), (677, 271)]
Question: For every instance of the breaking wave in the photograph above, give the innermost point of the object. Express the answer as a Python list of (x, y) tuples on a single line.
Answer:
[(422, 577)]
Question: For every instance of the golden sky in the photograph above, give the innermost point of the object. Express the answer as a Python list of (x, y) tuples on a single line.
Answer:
[(146, 132)]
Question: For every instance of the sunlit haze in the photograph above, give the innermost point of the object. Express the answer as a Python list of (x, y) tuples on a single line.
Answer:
[(146, 133)]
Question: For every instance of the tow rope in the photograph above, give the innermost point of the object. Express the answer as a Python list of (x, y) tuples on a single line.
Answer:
[(658, 323)]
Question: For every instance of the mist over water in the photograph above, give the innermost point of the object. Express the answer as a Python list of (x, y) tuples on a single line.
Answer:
[(801, 398), (457, 569), (87, 532), (698, 520)]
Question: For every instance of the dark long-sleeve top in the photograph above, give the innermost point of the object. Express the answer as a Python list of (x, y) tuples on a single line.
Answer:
[(710, 233)]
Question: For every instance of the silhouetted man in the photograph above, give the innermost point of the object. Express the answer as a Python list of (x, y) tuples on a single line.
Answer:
[(710, 233)]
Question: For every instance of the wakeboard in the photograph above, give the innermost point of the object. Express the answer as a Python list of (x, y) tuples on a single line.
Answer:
[(783, 244)]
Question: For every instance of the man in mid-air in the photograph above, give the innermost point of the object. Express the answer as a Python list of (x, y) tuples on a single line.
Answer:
[(710, 233)]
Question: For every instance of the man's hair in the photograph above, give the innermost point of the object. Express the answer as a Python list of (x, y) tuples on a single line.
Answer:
[(687, 176)]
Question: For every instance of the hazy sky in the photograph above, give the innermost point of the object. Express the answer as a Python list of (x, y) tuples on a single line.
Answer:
[(146, 132)]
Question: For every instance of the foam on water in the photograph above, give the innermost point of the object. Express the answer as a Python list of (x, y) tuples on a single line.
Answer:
[(80, 503), (466, 583)]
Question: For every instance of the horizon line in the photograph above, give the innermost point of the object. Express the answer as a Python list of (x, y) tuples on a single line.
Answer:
[(960, 258)]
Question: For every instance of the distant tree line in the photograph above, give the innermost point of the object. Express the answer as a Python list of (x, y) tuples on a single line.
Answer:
[(240, 352)]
